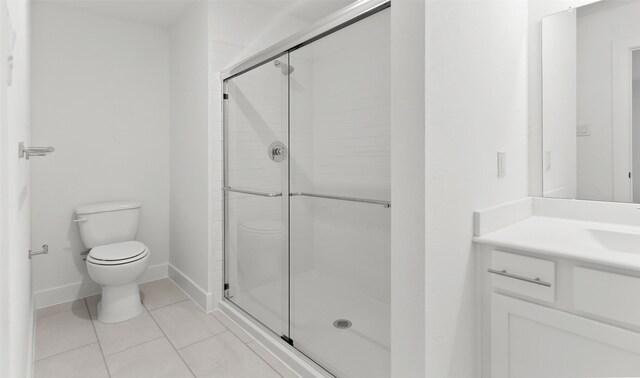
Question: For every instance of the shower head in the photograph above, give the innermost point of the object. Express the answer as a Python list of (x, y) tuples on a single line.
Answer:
[(285, 68)]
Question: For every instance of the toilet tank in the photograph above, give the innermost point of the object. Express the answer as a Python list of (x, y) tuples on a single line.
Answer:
[(108, 222)]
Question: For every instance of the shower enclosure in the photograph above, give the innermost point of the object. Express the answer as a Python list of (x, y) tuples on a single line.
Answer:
[(307, 189)]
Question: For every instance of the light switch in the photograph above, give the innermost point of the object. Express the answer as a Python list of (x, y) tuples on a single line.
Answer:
[(502, 169)]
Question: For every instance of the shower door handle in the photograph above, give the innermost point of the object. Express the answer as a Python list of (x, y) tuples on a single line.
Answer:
[(252, 192), (385, 204)]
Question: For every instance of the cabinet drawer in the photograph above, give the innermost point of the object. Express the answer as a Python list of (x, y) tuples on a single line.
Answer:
[(609, 295), (523, 275)]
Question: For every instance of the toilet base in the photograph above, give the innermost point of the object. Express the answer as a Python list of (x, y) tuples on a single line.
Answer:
[(119, 303)]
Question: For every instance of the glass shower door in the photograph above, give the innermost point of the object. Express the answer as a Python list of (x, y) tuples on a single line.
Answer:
[(340, 178), (256, 193)]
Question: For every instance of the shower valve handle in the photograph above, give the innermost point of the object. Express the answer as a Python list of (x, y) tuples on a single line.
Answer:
[(277, 151)]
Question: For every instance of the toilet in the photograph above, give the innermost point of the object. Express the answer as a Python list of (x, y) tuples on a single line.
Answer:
[(260, 253), (115, 260)]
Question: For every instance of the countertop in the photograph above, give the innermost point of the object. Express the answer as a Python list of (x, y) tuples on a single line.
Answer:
[(610, 244)]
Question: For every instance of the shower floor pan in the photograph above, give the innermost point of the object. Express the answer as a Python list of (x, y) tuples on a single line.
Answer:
[(319, 300)]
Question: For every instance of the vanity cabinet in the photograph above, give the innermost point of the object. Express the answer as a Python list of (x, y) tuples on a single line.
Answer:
[(531, 340), (553, 317)]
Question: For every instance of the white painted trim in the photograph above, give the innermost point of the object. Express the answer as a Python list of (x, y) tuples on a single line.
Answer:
[(297, 363), (621, 118), (31, 341), (86, 288), (193, 290)]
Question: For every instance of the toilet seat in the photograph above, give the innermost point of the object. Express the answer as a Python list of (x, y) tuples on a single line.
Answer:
[(118, 253)]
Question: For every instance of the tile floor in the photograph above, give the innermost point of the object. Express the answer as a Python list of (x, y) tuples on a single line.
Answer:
[(172, 338)]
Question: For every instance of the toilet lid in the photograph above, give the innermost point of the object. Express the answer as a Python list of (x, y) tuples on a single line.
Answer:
[(117, 251)]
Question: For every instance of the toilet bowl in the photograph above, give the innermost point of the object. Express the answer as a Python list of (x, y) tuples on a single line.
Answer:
[(115, 260), (260, 253), (116, 268)]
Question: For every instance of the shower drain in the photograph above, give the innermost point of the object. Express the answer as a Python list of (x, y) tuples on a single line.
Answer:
[(342, 324)]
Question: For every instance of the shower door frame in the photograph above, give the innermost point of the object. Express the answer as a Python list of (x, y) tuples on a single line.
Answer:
[(328, 25)]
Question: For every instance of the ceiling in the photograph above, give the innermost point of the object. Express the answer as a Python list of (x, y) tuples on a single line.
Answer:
[(158, 13), (164, 13), (309, 10)]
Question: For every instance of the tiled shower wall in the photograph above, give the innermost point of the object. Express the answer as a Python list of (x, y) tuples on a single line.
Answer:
[(340, 121)]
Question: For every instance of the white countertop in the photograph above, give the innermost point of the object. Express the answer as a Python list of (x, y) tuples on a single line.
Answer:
[(611, 244)]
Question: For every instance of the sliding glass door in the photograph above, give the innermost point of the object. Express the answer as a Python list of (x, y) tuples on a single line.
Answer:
[(340, 185), (256, 193), (307, 191)]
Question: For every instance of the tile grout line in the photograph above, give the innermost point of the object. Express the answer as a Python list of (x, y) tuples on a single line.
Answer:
[(164, 335), (74, 348), (171, 343), (237, 326), (38, 317), (252, 340), (260, 357), (104, 358), (201, 340), (69, 350), (167, 305), (206, 338), (135, 346), (243, 343), (132, 346)]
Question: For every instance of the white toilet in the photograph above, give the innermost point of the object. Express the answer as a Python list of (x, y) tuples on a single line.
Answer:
[(260, 252), (115, 260)]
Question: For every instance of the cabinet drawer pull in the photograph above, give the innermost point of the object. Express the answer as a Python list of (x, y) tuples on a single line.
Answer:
[(504, 272)]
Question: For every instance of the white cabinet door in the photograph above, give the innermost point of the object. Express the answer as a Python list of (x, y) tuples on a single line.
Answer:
[(529, 340)]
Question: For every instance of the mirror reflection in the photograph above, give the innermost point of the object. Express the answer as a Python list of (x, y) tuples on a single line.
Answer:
[(591, 102)]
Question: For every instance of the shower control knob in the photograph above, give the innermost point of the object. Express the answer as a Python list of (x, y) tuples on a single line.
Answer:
[(277, 151)]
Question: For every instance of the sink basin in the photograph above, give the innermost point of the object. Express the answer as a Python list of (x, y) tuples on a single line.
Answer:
[(616, 241)]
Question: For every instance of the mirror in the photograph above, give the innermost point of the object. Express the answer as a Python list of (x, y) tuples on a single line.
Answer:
[(591, 102)]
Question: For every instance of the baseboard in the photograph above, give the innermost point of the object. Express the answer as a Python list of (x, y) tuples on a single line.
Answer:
[(87, 288), (155, 272), (290, 357), (198, 294), (31, 341)]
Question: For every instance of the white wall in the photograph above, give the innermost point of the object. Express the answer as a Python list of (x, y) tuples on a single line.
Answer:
[(476, 105), (559, 104), (101, 97), (189, 143), (408, 355), (16, 309)]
